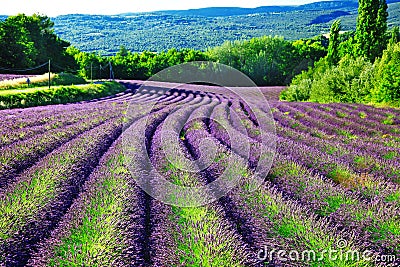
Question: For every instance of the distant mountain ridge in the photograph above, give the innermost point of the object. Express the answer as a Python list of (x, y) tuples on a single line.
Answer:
[(237, 11)]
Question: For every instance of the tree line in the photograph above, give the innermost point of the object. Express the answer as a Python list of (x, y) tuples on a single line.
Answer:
[(29, 41), (361, 66), (355, 66)]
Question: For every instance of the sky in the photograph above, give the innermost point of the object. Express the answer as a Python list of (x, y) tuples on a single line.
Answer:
[(111, 7)]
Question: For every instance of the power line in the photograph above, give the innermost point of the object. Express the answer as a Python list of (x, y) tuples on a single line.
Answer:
[(23, 70)]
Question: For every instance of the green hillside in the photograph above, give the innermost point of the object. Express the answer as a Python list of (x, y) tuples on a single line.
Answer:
[(159, 31)]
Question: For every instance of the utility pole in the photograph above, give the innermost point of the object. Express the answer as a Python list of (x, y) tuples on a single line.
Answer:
[(49, 72), (91, 71), (110, 70)]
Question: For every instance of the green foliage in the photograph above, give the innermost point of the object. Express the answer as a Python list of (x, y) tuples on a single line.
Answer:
[(349, 81), (67, 79), (371, 28), (128, 65), (387, 87), (333, 49), (161, 31), (395, 36), (355, 78), (56, 95), (29, 41), (269, 60), (346, 47), (382, 27), (300, 89)]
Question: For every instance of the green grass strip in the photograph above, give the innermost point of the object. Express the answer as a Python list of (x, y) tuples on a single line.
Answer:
[(96, 240), (304, 231), (203, 240), (39, 96), (41, 187)]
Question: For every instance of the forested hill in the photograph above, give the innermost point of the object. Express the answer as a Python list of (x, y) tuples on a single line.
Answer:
[(207, 27), (237, 11)]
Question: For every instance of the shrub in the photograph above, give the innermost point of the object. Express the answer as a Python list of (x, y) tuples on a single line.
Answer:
[(387, 87), (67, 79), (350, 81)]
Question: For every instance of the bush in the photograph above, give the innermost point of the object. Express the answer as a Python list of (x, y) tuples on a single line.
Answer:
[(300, 89), (387, 87), (67, 79), (351, 81)]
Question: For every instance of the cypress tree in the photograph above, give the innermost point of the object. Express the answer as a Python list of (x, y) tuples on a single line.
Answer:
[(371, 28), (334, 42), (394, 39), (381, 25)]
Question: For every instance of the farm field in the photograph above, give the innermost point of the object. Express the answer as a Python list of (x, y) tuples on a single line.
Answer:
[(69, 192), (4, 77)]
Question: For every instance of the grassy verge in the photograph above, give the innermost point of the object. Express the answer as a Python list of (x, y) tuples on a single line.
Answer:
[(39, 96), (42, 80)]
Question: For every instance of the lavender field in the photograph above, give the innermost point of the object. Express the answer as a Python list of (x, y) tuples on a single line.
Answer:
[(5, 77), (68, 198)]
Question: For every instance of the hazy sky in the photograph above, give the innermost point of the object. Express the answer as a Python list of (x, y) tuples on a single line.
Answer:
[(58, 7)]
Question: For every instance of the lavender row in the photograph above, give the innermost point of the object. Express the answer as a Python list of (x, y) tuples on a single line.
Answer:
[(346, 169), (41, 195), (107, 224), (371, 109), (349, 210), (308, 156), (202, 248), (333, 127), (381, 121), (385, 150), (20, 155), (286, 128), (36, 116), (21, 134), (369, 124), (260, 224), (338, 169), (325, 199), (219, 168)]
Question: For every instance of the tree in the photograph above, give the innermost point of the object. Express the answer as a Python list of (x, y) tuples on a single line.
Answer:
[(334, 43), (381, 25), (371, 28), (395, 36), (17, 51), (387, 85), (123, 52), (28, 41), (269, 60)]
